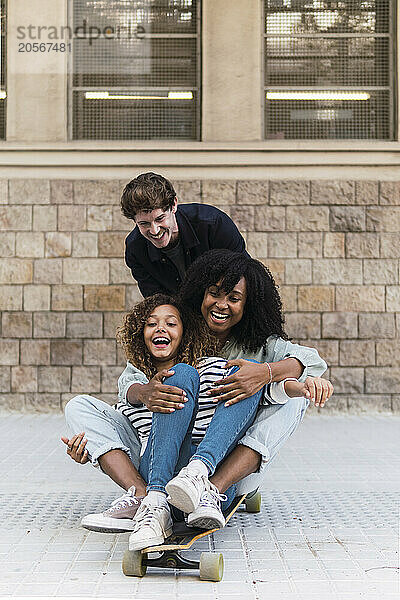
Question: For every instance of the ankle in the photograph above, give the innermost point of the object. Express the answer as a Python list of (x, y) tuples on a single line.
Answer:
[(219, 485), (137, 491), (140, 491)]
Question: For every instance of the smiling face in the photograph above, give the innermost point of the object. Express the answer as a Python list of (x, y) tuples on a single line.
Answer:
[(222, 311), (158, 226), (163, 334)]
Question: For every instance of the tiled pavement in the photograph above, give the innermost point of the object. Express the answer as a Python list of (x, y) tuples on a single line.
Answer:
[(329, 527)]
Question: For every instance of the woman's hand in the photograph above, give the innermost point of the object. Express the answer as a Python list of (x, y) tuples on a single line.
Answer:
[(158, 397), (316, 389), (320, 390), (248, 380), (76, 448)]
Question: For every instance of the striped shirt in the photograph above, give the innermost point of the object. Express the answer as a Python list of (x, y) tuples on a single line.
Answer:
[(210, 369)]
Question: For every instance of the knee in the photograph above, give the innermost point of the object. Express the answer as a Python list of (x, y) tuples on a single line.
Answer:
[(298, 405), (182, 370), (74, 408)]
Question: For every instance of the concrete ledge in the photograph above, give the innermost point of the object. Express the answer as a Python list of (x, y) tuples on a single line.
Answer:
[(188, 160)]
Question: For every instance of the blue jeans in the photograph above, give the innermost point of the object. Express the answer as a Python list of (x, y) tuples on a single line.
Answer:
[(169, 447)]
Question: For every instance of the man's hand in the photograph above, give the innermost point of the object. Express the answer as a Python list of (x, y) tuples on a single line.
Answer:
[(159, 397), (248, 380), (76, 448)]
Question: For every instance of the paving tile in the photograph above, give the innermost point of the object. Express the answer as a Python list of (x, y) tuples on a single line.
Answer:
[(76, 589), (37, 577), (112, 590), (350, 585), (269, 589), (6, 588), (52, 567), (333, 495), (314, 587), (36, 589)]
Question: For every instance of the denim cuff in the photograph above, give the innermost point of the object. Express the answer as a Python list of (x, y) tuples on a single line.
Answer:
[(155, 488), (259, 448)]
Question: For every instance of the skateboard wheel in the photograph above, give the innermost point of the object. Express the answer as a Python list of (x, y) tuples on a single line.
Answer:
[(253, 504), (211, 566), (133, 565)]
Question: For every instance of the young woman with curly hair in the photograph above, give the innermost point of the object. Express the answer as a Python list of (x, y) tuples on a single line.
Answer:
[(183, 428), (239, 301)]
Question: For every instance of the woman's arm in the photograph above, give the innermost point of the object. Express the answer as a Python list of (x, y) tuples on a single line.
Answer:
[(134, 388), (281, 353), (130, 375), (316, 389), (280, 360)]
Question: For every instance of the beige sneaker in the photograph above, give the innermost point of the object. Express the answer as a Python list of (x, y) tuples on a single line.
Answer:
[(153, 524), (208, 514), (118, 517), (185, 490)]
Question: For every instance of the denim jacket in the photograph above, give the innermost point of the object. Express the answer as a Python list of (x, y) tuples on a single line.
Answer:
[(274, 350)]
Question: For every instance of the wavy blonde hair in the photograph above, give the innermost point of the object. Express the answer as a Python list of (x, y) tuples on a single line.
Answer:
[(197, 340)]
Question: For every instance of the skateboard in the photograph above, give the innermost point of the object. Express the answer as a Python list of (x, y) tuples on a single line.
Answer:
[(211, 564)]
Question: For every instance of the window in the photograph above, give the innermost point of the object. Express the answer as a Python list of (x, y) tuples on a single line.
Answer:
[(139, 77), (329, 69), (3, 93)]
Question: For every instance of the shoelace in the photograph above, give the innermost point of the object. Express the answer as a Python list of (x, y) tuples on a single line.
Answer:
[(147, 516), (124, 501), (212, 496), (193, 476)]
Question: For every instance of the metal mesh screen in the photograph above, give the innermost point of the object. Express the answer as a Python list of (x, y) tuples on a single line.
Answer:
[(135, 69), (3, 100), (134, 63), (340, 56), (158, 118)]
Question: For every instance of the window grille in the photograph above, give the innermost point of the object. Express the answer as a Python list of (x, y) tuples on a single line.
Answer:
[(140, 77), (3, 93), (329, 70)]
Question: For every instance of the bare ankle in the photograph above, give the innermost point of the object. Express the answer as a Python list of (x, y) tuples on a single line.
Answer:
[(218, 484), (140, 490)]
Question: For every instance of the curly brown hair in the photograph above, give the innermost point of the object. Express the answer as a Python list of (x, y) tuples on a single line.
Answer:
[(197, 341), (145, 193)]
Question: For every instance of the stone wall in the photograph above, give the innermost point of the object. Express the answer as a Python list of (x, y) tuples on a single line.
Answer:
[(333, 246)]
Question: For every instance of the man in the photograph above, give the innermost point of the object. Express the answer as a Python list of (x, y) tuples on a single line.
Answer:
[(168, 238)]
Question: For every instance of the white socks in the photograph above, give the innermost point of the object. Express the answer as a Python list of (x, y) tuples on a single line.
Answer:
[(198, 466), (155, 498)]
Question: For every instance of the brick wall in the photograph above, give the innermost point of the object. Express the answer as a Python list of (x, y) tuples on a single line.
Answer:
[(333, 246)]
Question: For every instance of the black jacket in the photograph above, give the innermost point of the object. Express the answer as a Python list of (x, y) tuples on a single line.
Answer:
[(201, 228)]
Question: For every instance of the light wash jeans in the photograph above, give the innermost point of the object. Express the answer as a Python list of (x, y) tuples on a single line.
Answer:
[(169, 446), (105, 428), (273, 425)]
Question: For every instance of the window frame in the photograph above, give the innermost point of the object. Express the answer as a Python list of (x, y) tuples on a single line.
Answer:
[(197, 89), (392, 88)]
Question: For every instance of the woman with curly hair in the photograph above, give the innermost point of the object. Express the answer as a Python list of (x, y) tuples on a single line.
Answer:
[(191, 435), (239, 301)]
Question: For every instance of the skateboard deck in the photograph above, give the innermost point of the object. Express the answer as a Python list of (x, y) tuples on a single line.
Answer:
[(211, 564), (183, 537)]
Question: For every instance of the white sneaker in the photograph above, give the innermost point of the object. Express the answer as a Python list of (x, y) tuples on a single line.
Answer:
[(208, 514), (185, 489), (118, 517), (152, 525)]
